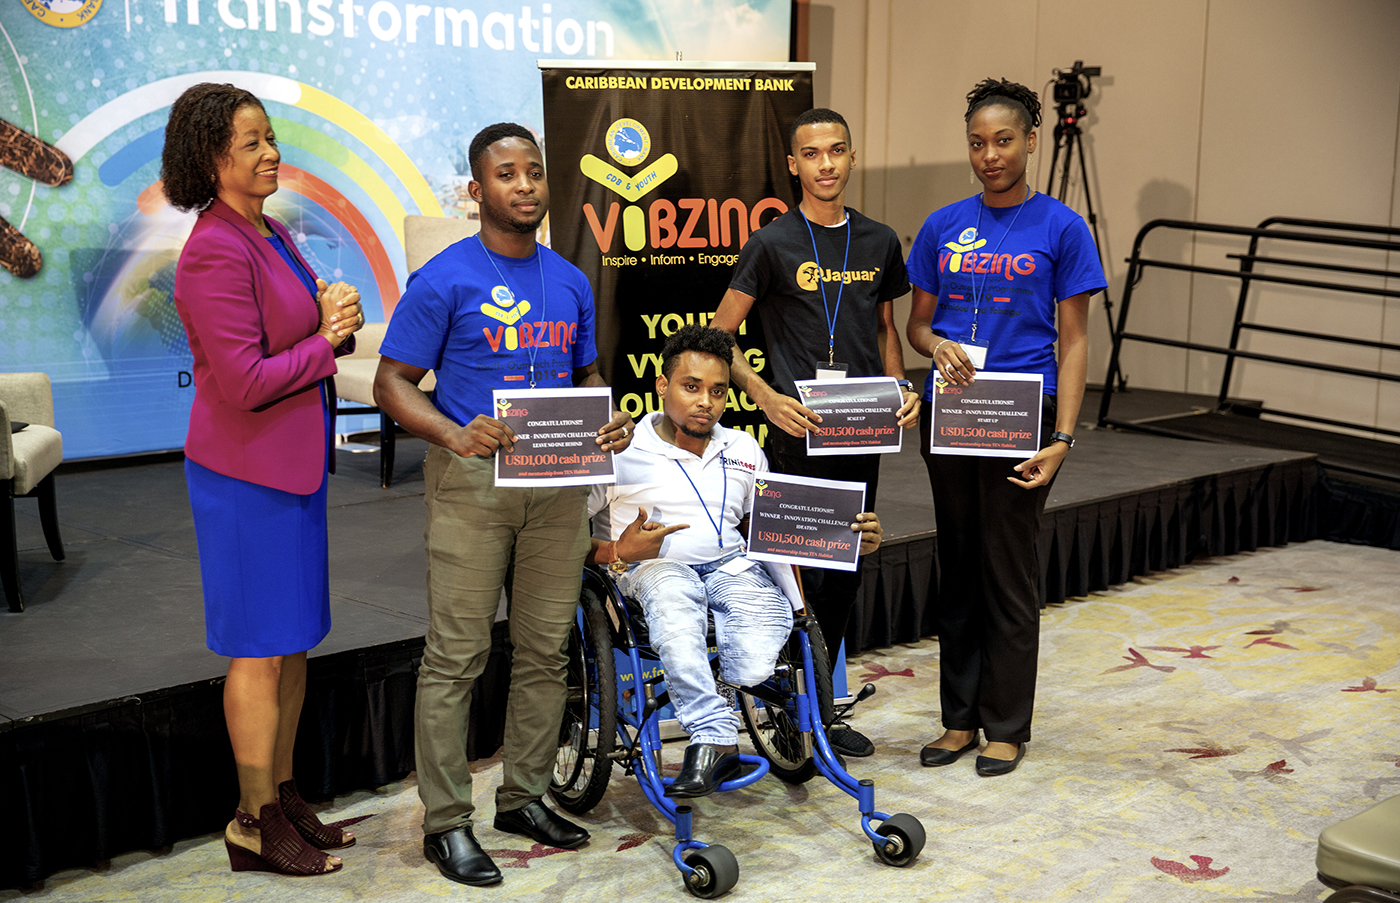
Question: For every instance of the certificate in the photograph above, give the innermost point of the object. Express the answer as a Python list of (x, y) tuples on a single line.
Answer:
[(997, 415), (555, 431), (801, 520), (859, 416)]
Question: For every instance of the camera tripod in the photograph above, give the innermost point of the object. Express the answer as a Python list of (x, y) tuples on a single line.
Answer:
[(1069, 137)]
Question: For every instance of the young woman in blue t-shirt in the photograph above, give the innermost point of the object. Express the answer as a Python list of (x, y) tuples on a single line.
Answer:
[(1000, 279)]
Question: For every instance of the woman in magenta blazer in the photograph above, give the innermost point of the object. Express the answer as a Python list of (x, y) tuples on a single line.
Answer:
[(265, 333)]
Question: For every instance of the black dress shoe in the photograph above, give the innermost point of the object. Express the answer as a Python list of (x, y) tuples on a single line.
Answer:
[(990, 768), (540, 823), (460, 858), (705, 766), (934, 757)]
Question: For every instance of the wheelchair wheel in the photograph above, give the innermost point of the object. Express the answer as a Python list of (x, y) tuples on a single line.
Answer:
[(904, 840), (774, 728), (716, 872), (589, 728)]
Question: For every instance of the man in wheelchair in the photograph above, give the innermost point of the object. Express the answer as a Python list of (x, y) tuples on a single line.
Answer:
[(696, 478)]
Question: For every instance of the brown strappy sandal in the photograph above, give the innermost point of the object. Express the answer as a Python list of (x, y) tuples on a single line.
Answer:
[(283, 850), (320, 836)]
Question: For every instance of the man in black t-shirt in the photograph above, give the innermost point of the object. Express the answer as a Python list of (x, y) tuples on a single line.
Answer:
[(823, 279)]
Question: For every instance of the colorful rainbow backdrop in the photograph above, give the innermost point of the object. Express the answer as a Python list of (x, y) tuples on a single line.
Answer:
[(366, 207)]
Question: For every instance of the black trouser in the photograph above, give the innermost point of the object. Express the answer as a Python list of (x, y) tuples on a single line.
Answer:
[(830, 594), (988, 614)]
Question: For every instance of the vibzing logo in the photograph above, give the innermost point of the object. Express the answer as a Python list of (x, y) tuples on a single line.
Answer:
[(960, 259), (761, 489), (690, 223), (505, 409), (513, 334)]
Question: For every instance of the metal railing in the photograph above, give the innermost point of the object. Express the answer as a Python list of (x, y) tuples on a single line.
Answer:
[(1246, 274)]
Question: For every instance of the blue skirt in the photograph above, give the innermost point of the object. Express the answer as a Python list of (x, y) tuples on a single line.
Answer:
[(264, 563)]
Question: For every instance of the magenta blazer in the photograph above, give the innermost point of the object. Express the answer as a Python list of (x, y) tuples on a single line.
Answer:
[(257, 412)]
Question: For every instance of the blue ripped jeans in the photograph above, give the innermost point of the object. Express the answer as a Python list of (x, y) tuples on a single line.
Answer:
[(752, 621)]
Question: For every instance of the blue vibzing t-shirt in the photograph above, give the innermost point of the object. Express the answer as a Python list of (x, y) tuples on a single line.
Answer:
[(1010, 281), (476, 325)]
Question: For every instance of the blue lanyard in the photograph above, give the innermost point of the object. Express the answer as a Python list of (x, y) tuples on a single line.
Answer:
[(821, 283), (539, 325), (978, 295), (724, 498)]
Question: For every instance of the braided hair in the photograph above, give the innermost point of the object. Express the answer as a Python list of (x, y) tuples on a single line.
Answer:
[(999, 92), (197, 138)]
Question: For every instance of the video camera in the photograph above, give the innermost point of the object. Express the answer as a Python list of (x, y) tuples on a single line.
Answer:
[(1071, 87)]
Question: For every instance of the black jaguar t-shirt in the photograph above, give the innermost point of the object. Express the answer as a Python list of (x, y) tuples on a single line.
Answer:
[(778, 268)]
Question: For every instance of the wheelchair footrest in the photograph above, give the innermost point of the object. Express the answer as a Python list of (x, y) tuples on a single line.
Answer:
[(754, 769)]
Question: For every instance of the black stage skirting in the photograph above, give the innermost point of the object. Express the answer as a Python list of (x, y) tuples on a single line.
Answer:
[(1099, 544), (112, 735)]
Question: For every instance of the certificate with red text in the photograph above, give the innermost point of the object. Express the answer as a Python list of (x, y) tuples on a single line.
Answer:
[(997, 415), (805, 521), (555, 432), (859, 416)]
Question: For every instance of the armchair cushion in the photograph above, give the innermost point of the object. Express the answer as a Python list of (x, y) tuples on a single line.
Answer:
[(36, 453), (354, 378), (29, 454), (28, 397), (1364, 849)]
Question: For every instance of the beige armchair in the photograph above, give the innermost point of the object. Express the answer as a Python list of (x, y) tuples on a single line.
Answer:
[(27, 462), (424, 238)]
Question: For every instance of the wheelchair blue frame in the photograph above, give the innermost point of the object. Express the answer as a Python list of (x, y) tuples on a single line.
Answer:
[(639, 731)]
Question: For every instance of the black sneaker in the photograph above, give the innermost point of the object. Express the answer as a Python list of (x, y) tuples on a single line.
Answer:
[(849, 741)]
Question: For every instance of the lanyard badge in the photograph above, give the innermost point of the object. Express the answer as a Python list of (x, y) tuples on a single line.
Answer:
[(975, 350), (544, 300), (821, 284), (724, 498)]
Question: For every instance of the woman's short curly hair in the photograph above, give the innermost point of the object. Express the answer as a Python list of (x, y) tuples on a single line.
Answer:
[(197, 137)]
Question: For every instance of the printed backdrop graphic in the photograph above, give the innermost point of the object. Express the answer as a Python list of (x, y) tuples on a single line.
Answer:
[(658, 175), (373, 103)]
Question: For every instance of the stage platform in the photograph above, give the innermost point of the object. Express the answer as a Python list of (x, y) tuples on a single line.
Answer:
[(1360, 495), (111, 725)]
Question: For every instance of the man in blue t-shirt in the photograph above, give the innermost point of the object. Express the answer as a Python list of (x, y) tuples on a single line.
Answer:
[(494, 311)]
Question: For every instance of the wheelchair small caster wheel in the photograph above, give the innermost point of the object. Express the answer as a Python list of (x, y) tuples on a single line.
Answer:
[(904, 840), (716, 871)]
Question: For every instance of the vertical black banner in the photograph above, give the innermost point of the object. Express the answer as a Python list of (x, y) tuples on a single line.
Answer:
[(658, 175)]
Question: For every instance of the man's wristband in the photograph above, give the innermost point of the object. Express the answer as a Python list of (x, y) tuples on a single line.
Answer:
[(616, 565), (1066, 438), (906, 385)]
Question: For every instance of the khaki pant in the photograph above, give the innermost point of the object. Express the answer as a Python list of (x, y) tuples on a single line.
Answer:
[(473, 528)]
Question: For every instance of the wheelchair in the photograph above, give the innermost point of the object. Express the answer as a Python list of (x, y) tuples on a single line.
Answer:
[(786, 717)]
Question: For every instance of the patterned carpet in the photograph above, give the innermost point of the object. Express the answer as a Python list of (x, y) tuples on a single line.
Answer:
[(1195, 731)]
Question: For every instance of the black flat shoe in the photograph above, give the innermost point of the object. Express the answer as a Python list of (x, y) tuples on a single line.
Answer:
[(934, 757), (460, 858), (990, 768), (704, 768), (538, 822)]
